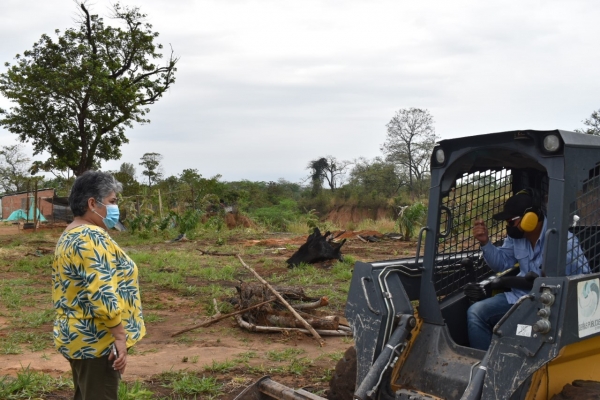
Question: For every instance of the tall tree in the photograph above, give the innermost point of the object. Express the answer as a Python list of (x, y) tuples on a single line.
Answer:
[(14, 166), (328, 169), (151, 164), (377, 176), (592, 123), (409, 142), (128, 168), (76, 95)]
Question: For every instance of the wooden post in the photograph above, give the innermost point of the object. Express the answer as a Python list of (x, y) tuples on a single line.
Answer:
[(160, 205), (35, 205), (27, 203)]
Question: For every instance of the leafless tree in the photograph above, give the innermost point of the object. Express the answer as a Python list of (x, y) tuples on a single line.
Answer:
[(328, 169), (409, 142), (14, 165)]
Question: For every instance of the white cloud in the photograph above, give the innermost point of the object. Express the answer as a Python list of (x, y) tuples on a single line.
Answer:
[(265, 86)]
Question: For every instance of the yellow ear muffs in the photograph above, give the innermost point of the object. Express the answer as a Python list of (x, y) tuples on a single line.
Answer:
[(529, 221)]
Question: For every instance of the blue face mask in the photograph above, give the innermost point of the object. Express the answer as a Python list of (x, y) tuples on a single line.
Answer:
[(112, 215)]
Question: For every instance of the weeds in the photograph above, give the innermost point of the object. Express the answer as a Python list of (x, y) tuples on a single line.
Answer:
[(284, 355), (187, 383), (133, 391), (150, 318), (220, 367), (30, 384)]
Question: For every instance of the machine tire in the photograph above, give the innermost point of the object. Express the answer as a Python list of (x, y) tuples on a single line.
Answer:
[(579, 390), (343, 382)]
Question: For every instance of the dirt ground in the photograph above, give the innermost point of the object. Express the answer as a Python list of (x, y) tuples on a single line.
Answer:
[(221, 342)]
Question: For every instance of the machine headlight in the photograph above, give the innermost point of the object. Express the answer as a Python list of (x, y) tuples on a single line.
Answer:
[(440, 156), (551, 143)]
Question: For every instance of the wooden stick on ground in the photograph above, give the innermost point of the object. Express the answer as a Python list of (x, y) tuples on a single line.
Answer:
[(221, 317), (318, 338), (360, 237), (342, 331), (214, 253)]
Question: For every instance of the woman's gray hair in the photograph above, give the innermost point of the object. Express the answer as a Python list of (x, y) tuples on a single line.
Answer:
[(94, 184)]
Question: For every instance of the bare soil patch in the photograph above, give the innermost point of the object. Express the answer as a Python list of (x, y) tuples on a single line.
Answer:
[(169, 310)]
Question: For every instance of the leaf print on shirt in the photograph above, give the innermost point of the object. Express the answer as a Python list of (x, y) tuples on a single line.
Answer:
[(128, 291), (87, 328), (108, 298), (85, 352), (97, 237), (64, 332), (77, 274), (61, 304), (57, 282), (78, 247), (125, 266), (105, 352), (82, 301), (67, 240), (101, 264), (134, 328), (64, 351)]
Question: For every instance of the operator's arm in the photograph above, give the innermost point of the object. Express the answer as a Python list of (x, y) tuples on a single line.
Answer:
[(498, 258)]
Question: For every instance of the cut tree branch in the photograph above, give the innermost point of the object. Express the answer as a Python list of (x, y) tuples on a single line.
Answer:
[(318, 338), (221, 317)]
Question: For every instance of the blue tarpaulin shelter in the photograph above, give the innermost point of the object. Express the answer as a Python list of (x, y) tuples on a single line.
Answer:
[(21, 214)]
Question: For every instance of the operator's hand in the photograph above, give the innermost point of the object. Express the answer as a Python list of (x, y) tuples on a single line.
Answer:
[(480, 232)]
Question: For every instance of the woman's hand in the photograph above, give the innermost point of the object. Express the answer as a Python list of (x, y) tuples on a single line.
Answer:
[(120, 345)]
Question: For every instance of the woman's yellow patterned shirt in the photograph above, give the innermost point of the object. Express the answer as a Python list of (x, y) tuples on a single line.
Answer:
[(94, 287)]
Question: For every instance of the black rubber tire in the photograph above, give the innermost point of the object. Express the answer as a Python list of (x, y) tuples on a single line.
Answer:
[(343, 382), (579, 390)]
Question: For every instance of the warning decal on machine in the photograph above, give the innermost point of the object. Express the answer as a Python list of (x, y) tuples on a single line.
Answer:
[(524, 330), (588, 310)]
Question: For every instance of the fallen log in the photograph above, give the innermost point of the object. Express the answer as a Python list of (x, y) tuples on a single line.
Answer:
[(341, 331), (214, 253), (281, 299), (322, 302), (253, 292), (221, 317), (285, 321)]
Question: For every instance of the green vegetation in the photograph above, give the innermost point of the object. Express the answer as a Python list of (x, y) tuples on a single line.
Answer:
[(188, 383), (30, 384), (176, 274)]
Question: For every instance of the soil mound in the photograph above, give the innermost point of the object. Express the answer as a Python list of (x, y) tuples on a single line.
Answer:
[(234, 220), (343, 215)]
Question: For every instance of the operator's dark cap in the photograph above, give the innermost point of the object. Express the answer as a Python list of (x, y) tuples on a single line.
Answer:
[(515, 207)]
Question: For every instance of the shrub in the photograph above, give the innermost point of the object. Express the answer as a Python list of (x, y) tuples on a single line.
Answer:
[(410, 218)]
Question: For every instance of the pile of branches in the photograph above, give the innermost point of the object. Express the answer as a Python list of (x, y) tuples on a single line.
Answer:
[(273, 316)]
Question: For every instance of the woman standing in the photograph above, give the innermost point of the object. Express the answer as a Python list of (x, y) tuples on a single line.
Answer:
[(95, 291)]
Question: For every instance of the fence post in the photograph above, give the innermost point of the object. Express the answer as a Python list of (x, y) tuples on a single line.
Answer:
[(160, 205), (35, 205)]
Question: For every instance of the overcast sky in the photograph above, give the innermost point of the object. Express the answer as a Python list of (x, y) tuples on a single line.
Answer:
[(265, 86)]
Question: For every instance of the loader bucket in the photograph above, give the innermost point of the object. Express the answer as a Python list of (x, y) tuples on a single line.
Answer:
[(267, 389)]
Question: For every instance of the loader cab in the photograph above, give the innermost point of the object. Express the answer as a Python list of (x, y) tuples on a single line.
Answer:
[(472, 178)]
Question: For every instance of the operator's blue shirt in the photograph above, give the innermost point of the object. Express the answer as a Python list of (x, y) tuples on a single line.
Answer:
[(519, 251)]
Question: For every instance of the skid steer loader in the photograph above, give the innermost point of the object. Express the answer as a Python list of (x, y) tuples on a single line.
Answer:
[(408, 316)]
